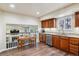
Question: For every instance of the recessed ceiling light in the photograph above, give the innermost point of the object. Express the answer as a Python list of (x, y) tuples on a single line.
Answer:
[(37, 13), (12, 5)]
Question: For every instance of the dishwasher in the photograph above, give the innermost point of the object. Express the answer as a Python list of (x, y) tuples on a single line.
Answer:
[(49, 39)]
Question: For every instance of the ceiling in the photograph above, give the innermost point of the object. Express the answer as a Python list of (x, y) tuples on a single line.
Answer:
[(30, 9)]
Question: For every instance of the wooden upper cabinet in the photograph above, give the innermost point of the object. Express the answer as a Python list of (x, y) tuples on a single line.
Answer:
[(46, 24), (43, 24), (77, 19), (49, 23)]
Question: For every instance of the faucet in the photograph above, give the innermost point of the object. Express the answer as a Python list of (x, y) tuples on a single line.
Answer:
[(61, 31)]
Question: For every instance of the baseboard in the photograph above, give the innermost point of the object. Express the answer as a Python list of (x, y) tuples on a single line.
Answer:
[(7, 49), (3, 50)]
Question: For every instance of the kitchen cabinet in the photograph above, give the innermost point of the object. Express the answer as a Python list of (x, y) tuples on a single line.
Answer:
[(74, 46), (64, 43), (49, 23), (52, 23), (44, 38), (40, 37), (77, 19), (43, 24), (74, 49), (56, 41), (68, 44), (74, 41)]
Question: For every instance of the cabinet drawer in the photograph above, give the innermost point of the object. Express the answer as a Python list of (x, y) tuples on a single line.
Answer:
[(74, 52), (74, 49), (74, 41)]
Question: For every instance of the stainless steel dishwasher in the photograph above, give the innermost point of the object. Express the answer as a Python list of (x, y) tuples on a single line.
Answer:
[(49, 39)]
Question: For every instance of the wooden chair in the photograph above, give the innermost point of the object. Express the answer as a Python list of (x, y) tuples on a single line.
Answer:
[(32, 41)]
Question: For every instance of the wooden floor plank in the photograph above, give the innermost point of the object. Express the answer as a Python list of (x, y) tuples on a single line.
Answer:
[(42, 50)]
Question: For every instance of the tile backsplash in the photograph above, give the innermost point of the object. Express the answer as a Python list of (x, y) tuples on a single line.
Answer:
[(50, 30), (76, 30)]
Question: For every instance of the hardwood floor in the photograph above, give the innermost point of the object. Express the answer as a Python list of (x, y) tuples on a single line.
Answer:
[(42, 50)]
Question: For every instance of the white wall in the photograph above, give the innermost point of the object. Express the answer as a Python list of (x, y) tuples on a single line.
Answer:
[(2, 33), (9, 18), (62, 12), (19, 19)]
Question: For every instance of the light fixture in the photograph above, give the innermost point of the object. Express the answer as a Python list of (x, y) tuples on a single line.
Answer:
[(12, 5), (37, 13)]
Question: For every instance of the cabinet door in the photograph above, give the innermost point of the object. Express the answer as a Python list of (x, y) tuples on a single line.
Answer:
[(74, 41), (47, 24), (51, 23), (44, 38), (64, 44), (56, 41), (74, 49), (77, 19), (40, 37), (74, 46), (43, 24)]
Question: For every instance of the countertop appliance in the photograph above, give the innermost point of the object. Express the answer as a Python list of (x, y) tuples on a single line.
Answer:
[(43, 31), (49, 39)]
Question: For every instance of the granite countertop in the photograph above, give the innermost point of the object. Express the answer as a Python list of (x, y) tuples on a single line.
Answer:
[(64, 34)]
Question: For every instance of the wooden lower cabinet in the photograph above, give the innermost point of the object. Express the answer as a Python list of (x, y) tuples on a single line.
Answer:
[(74, 41), (74, 46), (40, 37), (61, 42), (64, 43), (56, 41), (74, 49), (68, 44), (44, 38)]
